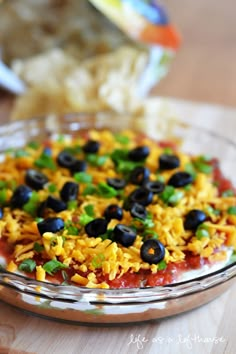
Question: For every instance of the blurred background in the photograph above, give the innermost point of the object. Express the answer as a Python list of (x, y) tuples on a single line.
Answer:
[(204, 68)]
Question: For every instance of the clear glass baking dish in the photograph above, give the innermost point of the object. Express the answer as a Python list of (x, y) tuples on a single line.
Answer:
[(91, 306)]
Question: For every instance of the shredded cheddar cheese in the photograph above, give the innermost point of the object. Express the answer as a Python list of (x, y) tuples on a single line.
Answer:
[(77, 256)]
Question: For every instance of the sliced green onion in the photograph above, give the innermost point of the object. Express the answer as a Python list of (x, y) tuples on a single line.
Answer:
[(118, 155), (143, 224), (175, 198), (162, 265), (3, 196), (53, 266), (75, 150), (187, 187), (37, 219), (160, 178), (168, 151), (189, 167), (28, 265), (126, 167), (83, 177), (106, 191), (33, 145), (72, 204), (205, 158), (12, 184), (232, 210), (9, 151), (96, 160), (52, 188), (3, 184), (108, 235), (37, 247), (98, 260), (228, 193), (203, 167), (61, 138), (71, 228), (167, 193), (45, 161), (202, 231), (32, 205), (30, 208), (148, 223), (121, 161), (122, 139), (211, 211), (34, 197), (85, 219), (90, 189), (21, 153), (89, 209), (151, 233)]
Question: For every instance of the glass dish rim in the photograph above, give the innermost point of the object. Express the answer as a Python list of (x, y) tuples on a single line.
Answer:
[(112, 296), (73, 293)]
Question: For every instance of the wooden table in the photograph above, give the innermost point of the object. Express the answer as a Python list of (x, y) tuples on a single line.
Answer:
[(209, 329)]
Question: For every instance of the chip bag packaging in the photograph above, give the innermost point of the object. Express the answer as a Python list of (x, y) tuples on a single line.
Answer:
[(85, 55)]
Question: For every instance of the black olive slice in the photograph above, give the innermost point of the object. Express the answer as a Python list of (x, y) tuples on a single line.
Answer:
[(141, 196), (55, 204), (96, 227), (152, 251), (168, 162), (193, 219), (65, 159), (91, 147), (78, 166), (113, 211), (50, 225), (180, 179), (124, 235), (35, 179), (138, 211), (139, 153), (155, 187), (21, 196), (69, 191), (116, 183), (139, 175)]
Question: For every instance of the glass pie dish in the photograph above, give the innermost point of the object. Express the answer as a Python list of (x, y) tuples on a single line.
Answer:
[(81, 305)]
